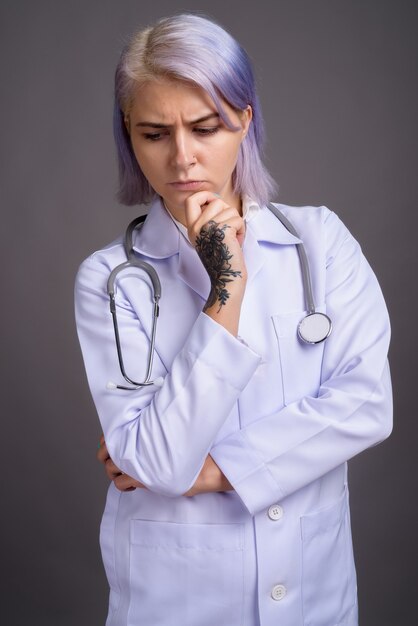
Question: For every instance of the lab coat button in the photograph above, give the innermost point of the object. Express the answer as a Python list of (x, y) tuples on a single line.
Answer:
[(278, 592), (275, 512)]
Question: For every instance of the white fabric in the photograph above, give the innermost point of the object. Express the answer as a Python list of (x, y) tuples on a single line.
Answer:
[(279, 417)]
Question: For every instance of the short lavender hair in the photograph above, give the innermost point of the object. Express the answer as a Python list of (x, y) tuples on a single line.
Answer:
[(195, 49)]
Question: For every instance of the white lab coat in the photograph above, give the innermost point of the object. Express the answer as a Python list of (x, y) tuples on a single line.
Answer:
[(279, 418)]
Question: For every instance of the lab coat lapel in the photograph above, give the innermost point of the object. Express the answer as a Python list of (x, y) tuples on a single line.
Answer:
[(268, 228), (263, 228), (253, 254), (159, 238), (191, 269)]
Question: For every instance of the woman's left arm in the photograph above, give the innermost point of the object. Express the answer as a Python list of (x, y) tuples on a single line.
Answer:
[(279, 453)]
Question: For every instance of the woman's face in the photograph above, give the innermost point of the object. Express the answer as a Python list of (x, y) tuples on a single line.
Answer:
[(181, 144)]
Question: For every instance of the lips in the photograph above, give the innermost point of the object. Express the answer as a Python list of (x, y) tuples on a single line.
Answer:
[(187, 185)]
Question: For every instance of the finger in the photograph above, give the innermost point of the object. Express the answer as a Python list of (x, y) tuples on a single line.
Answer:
[(123, 482), (235, 225), (220, 213), (111, 469), (208, 213), (194, 204), (217, 211), (228, 216), (238, 224), (102, 453)]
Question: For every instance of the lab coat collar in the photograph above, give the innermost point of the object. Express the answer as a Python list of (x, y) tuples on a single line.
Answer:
[(159, 238), (268, 228), (263, 226)]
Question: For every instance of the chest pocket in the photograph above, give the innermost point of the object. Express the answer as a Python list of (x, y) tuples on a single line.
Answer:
[(300, 362)]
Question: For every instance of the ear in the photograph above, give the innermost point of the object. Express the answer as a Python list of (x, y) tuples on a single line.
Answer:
[(246, 117), (127, 123)]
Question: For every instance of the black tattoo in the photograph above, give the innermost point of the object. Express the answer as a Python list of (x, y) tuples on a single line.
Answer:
[(215, 256)]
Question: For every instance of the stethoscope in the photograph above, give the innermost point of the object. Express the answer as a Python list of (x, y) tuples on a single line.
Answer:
[(314, 328)]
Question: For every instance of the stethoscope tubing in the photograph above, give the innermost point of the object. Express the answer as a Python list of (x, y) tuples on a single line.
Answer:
[(314, 328), (306, 274)]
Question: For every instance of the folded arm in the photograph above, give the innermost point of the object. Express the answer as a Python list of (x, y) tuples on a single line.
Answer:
[(282, 452), (160, 437), (210, 477)]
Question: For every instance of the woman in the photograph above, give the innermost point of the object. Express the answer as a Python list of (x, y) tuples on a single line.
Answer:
[(228, 502)]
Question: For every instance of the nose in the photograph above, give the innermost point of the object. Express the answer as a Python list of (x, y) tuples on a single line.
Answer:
[(182, 150)]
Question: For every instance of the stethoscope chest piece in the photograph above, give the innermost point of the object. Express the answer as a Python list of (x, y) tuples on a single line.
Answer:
[(314, 328)]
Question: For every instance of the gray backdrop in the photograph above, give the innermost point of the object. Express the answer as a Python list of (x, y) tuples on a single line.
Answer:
[(338, 83)]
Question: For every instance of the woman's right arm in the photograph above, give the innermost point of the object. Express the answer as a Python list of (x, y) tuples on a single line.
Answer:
[(217, 231), (159, 436)]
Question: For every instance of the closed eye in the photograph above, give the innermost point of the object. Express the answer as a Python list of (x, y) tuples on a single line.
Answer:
[(199, 130), (154, 136), (206, 130)]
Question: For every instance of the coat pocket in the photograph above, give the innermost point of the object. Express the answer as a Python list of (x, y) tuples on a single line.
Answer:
[(188, 574), (329, 590), (300, 362)]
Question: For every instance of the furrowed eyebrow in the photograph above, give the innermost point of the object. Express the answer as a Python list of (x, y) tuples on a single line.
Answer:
[(198, 121)]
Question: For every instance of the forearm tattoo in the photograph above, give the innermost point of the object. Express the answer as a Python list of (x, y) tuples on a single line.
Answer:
[(215, 256)]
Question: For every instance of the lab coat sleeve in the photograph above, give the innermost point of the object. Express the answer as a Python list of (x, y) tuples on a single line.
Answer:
[(280, 453), (160, 436)]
